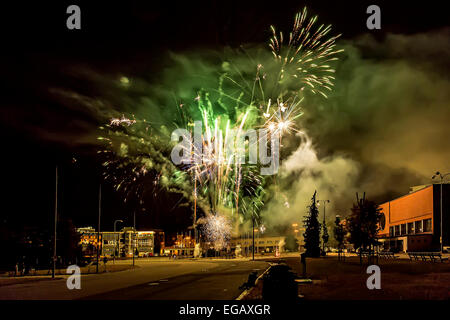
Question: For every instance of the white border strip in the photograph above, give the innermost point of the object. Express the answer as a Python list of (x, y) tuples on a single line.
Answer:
[(247, 291)]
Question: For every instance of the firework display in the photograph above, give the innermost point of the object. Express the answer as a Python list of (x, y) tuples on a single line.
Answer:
[(266, 95)]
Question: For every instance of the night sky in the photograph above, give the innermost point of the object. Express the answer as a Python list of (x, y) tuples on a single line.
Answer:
[(126, 37)]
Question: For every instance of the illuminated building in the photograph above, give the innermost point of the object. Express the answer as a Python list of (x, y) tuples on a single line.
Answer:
[(88, 241), (413, 222), (263, 245), (183, 245), (145, 243)]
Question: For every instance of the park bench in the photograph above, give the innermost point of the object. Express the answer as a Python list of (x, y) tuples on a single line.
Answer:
[(424, 256), (434, 256), (364, 253), (387, 255), (369, 255), (413, 255)]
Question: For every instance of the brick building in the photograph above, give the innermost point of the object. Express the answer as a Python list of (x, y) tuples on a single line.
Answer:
[(413, 222)]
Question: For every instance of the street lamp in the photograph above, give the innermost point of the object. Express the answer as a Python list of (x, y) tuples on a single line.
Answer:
[(134, 235), (253, 236), (115, 243), (441, 176), (324, 205), (295, 225)]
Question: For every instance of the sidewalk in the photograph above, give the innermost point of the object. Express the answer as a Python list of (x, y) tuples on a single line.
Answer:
[(39, 275), (25, 279)]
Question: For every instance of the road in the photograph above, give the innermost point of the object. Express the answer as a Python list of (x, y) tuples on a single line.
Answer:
[(156, 280)]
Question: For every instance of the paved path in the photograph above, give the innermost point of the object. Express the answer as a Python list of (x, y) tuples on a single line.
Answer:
[(182, 279), (220, 282)]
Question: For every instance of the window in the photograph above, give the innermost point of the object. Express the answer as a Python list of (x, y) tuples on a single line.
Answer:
[(391, 231), (418, 226), (403, 228), (427, 225), (410, 228), (383, 221), (397, 230)]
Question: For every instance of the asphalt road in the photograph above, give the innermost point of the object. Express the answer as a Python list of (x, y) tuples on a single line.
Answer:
[(170, 280), (219, 283)]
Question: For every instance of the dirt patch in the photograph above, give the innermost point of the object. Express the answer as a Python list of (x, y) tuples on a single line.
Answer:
[(400, 280)]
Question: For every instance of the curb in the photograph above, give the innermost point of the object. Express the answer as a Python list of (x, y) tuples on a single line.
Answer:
[(247, 291)]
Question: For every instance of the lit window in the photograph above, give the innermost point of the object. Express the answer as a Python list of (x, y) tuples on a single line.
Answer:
[(397, 230), (410, 228), (403, 228), (427, 225), (418, 226)]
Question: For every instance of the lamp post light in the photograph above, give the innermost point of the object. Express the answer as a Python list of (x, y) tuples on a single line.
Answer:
[(98, 231), (134, 235), (441, 176), (115, 243), (253, 237), (253, 232), (324, 205), (295, 225), (56, 221)]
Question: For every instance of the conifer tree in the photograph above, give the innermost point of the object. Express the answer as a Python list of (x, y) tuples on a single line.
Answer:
[(312, 230)]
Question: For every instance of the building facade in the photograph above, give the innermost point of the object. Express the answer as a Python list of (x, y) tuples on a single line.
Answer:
[(413, 222), (263, 245), (121, 243), (183, 245)]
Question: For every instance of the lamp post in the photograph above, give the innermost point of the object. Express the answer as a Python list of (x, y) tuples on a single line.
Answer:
[(324, 205), (441, 176), (195, 212), (115, 243), (134, 235), (295, 225), (253, 237), (56, 221), (98, 231)]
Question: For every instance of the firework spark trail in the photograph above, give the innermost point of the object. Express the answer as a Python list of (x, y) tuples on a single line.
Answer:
[(218, 230), (118, 122), (270, 99), (307, 54)]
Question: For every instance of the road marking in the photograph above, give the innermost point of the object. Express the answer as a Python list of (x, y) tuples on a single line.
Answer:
[(153, 284), (303, 280), (163, 280)]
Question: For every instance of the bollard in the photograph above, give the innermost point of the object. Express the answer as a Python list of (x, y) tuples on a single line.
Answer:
[(303, 261)]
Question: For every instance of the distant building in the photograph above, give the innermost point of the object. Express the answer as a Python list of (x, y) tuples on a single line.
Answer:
[(413, 221), (111, 242), (183, 245), (121, 243), (86, 230), (88, 241), (263, 245)]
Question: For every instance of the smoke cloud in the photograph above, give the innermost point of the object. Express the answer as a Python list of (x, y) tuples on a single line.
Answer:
[(384, 128)]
